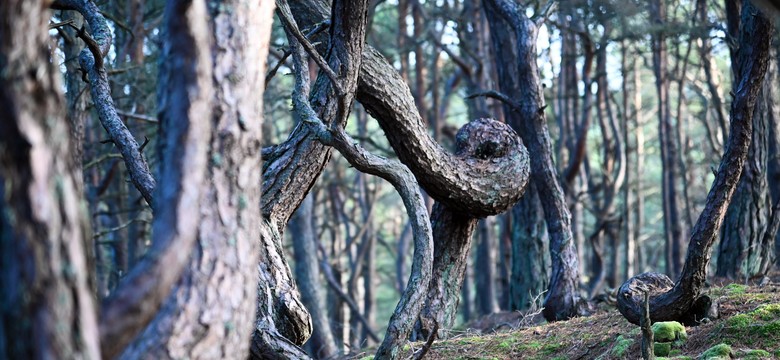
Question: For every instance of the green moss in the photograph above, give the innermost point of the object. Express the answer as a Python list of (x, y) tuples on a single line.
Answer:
[(754, 354), (669, 331), (717, 352), (739, 321), (662, 348), (675, 352), (505, 345), (621, 346), (767, 312), (735, 289), (550, 348)]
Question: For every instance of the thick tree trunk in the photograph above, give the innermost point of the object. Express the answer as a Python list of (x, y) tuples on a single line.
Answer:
[(514, 38), (211, 311), (682, 301), (452, 234), (47, 306)]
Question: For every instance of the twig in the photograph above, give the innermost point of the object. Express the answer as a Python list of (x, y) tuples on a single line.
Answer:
[(498, 96), (289, 23), (60, 24), (100, 159), (141, 117), (317, 29), (419, 354), (146, 141), (117, 228), (544, 13)]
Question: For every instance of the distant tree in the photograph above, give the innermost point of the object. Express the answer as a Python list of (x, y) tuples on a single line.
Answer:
[(682, 300)]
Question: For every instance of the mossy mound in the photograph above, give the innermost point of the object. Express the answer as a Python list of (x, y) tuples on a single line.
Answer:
[(668, 334), (667, 331), (717, 352), (753, 354)]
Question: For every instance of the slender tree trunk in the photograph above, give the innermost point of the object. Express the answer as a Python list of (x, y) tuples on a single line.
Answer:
[(307, 275), (673, 229), (529, 264), (514, 38), (746, 246), (683, 301), (485, 268)]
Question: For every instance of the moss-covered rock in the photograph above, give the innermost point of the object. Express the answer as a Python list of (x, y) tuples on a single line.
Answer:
[(666, 331), (766, 312), (717, 352), (754, 354), (662, 348)]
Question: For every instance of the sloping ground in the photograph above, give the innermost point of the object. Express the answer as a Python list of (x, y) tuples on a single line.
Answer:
[(749, 321)]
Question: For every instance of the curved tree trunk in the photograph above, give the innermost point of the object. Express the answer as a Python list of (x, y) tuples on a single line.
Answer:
[(47, 306), (465, 183), (682, 301)]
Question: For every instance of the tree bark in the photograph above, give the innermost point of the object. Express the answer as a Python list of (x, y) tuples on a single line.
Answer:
[(673, 230), (530, 275), (307, 275), (485, 268), (682, 301), (746, 245), (47, 306), (210, 312), (514, 38)]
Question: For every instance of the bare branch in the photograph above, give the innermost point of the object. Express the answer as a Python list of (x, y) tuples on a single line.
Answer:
[(287, 19)]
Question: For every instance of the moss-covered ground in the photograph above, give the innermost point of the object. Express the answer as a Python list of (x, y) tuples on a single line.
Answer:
[(748, 328)]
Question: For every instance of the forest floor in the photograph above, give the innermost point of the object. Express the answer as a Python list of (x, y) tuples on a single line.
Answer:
[(749, 324)]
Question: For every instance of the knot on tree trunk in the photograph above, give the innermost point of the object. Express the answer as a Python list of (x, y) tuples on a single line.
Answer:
[(666, 302), (486, 139), (493, 150)]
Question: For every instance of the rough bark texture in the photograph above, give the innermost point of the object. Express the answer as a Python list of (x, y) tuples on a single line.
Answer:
[(514, 38), (480, 141), (210, 313), (485, 183), (471, 187), (681, 301), (47, 308), (449, 267), (185, 94)]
